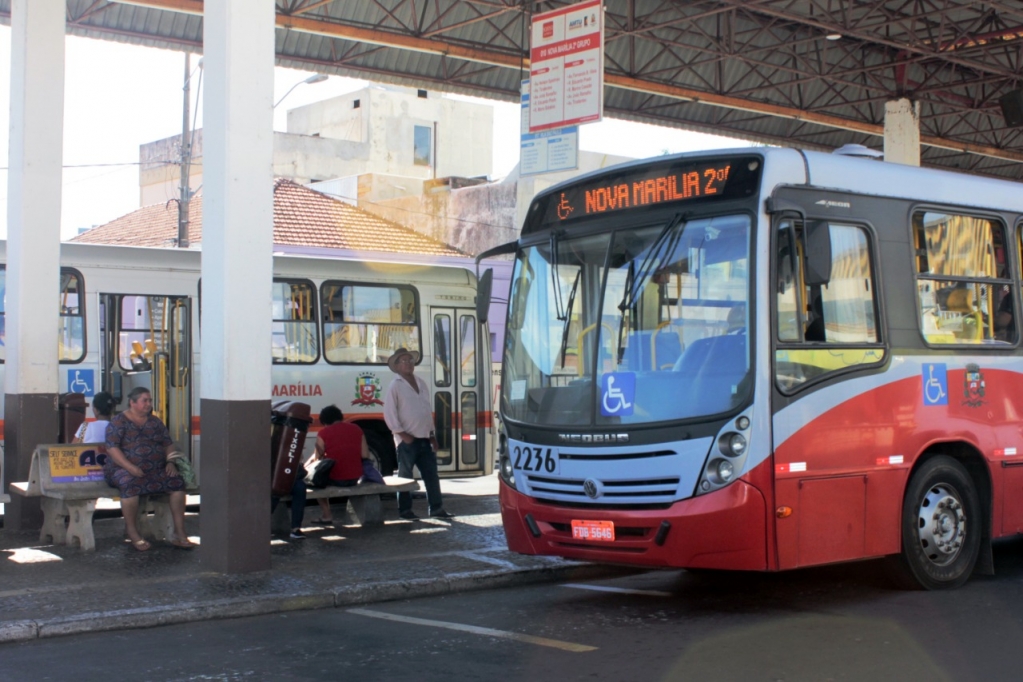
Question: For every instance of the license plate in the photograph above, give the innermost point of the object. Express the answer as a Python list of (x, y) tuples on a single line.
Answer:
[(534, 459), (597, 531)]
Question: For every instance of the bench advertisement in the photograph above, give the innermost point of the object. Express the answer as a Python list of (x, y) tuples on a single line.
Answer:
[(76, 463)]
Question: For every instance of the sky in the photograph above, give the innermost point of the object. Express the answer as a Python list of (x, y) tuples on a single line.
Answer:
[(118, 96)]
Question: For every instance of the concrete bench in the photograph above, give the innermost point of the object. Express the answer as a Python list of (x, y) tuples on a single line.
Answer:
[(363, 501), (69, 479)]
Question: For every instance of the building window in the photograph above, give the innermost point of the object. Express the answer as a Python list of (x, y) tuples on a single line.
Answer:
[(422, 146), (356, 104), (421, 94)]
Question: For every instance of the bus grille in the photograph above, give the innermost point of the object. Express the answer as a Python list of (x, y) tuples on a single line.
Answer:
[(620, 477), (611, 489)]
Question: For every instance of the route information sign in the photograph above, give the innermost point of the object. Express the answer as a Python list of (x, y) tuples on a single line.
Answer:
[(549, 151), (567, 66)]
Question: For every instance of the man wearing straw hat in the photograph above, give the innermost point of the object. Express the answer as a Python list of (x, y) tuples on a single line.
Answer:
[(409, 416)]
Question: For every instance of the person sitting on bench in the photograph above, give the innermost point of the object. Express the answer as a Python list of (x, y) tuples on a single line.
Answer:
[(96, 431), (344, 443), (137, 447)]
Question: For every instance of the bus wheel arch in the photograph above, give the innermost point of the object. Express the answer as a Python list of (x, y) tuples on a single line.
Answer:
[(944, 520)]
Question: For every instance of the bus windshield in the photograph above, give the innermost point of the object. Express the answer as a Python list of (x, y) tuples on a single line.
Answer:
[(630, 326)]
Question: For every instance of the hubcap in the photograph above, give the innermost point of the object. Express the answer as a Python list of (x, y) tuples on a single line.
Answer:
[(942, 524)]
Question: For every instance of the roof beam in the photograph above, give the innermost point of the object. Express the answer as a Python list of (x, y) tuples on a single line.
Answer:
[(438, 47)]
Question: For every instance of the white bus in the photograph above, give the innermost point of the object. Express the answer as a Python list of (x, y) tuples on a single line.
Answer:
[(130, 317)]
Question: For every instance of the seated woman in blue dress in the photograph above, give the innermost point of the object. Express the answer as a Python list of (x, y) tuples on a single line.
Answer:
[(137, 447)]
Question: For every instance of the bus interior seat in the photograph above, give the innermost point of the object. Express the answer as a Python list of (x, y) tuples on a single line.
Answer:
[(716, 365), (646, 349)]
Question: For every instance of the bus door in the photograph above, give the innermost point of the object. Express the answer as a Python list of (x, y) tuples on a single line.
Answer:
[(147, 341), (456, 390)]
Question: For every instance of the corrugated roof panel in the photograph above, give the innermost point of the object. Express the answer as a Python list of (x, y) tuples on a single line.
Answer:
[(956, 58)]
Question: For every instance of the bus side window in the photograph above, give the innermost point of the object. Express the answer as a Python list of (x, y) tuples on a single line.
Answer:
[(365, 323), (294, 336), (838, 319), (71, 342), (964, 290)]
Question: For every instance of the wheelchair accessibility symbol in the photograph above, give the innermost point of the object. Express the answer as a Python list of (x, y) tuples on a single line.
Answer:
[(81, 381), (617, 394), (935, 384)]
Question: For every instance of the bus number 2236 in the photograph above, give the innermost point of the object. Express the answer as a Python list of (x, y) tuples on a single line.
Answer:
[(535, 459)]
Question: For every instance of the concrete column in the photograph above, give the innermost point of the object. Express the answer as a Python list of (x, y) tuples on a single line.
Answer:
[(33, 242), (237, 271), (902, 132)]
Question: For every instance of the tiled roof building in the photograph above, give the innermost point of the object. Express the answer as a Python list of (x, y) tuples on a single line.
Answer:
[(302, 218)]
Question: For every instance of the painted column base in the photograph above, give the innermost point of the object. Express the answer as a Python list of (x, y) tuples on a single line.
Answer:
[(29, 420), (235, 485)]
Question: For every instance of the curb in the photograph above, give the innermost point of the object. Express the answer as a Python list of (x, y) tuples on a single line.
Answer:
[(240, 607)]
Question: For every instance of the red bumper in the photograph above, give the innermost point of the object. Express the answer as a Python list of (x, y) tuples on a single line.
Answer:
[(723, 530)]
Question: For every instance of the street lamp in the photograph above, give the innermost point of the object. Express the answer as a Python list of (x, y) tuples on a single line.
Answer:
[(315, 78)]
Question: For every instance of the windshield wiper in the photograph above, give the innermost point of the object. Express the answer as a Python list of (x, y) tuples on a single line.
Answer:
[(559, 306), (656, 258), (568, 319)]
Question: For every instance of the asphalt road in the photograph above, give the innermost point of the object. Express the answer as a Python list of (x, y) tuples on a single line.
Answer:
[(835, 623)]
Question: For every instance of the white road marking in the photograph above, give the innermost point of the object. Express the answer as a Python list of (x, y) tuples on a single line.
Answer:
[(529, 639), (619, 590)]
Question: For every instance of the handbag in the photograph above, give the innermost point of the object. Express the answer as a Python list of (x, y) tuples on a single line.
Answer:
[(319, 477), (370, 473), (185, 470)]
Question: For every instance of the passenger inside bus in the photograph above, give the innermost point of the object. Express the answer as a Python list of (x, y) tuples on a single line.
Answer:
[(1005, 329), (736, 320), (815, 330)]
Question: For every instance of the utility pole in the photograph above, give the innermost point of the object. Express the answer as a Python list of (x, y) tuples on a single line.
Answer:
[(186, 161)]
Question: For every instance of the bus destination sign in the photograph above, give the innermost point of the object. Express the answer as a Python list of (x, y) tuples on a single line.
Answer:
[(713, 179)]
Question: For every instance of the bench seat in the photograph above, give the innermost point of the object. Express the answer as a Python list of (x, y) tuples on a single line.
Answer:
[(363, 501), (68, 506)]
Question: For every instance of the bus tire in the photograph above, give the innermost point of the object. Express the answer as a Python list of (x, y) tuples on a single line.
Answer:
[(381, 451), (941, 527)]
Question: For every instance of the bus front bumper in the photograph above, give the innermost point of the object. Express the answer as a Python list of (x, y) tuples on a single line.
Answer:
[(726, 530)]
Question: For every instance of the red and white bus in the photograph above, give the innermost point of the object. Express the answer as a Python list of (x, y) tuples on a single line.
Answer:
[(764, 359)]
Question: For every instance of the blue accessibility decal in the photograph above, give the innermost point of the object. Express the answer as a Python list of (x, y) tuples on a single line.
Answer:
[(935, 385), (617, 394), (81, 381)]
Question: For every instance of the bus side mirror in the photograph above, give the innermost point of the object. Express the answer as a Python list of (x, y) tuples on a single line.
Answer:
[(818, 253), (483, 291)]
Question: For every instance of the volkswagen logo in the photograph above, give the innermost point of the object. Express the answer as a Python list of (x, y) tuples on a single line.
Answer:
[(591, 489)]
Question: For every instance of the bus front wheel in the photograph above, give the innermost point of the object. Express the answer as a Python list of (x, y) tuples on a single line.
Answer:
[(941, 527)]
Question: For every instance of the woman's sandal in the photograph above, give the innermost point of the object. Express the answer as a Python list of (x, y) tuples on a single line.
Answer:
[(184, 544), (140, 545)]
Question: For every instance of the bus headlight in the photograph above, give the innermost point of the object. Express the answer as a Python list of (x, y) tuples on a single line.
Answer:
[(732, 444), (727, 455), (504, 463), (721, 471)]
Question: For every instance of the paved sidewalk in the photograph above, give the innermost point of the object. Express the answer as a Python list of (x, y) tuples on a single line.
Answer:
[(48, 590)]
